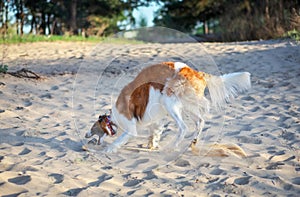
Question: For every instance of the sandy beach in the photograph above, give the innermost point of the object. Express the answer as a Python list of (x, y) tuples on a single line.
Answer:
[(43, 123)]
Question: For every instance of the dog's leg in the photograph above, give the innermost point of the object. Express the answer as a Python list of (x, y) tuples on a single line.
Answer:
[(196, 110), (154, 139), (174, 107), (101, 139), (123, 139), (199, 127)]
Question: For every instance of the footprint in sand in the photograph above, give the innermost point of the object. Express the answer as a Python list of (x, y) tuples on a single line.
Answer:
[(25, 151), (216, 171), (100, 180), (18, 144), (58, 177), (47, 96), (255, 109), (27, 103), (132, 183), (182, 163), (275, 166), (73, 192), (296, 180), (248, 98), (54, 88), (242, 180), (150, 175), (21, 180)]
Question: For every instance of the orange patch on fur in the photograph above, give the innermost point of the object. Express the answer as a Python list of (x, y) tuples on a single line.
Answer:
[(196, 79), (170, 64)]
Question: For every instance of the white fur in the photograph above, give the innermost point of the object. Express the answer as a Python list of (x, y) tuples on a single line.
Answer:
[(128, 127), (235, 83), (179, 65), (155, 109), (225, 87)]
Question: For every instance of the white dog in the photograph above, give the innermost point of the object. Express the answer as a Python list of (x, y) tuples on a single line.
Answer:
[(168, 89)]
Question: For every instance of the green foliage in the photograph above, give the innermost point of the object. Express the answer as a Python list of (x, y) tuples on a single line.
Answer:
[(12, 39), (185, 15), (72, 17), (229, 20), (41, 38), (232, 20), (3, 68), (293, 34)]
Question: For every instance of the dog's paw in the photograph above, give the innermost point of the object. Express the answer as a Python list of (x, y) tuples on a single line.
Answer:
[(151, 147)]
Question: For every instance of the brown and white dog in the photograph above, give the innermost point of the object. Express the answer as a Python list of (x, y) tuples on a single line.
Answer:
[(169, 88)]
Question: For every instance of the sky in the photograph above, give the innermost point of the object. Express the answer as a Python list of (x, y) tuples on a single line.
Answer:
[(147, 12)]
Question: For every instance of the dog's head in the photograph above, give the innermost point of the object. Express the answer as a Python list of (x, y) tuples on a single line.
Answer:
[(102, 126)]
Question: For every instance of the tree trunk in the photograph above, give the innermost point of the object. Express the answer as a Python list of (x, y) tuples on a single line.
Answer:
[(206, 27), (22, 16), (267, 11), (53, 26), (42, 29), (18, 17), (32, 23), (2, 16), (73, 24), (6, 19), (279, 17)]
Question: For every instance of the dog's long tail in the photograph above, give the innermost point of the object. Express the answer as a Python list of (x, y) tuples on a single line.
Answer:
[(223, 88)]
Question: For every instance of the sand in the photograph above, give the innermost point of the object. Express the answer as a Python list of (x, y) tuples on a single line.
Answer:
[(43, 123)]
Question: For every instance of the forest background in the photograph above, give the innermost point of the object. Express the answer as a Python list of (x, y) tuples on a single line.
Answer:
[(209, 20)]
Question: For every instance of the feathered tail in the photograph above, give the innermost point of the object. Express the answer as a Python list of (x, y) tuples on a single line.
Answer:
[(223, 88)]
